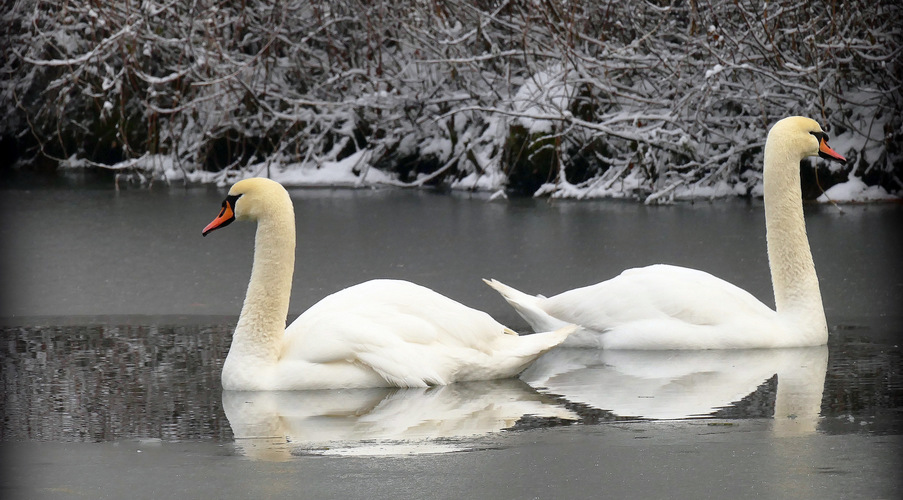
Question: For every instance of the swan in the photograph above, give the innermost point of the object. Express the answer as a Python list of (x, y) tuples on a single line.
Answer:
[(381, 333), (670, 307)]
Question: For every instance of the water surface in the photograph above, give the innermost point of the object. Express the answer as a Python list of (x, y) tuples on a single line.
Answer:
[(117, 315)]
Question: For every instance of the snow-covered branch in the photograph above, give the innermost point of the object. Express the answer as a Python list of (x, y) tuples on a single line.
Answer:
[(629, 98)]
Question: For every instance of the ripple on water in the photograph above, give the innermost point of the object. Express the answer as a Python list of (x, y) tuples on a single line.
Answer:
[(113, 382)]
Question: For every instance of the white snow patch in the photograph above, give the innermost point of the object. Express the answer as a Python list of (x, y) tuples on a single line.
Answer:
[(546, 93), (622, 187), (758, 190), (854, 190), (490, 181), (714, 71), (439, 146), (354, 170), (160, 167), (721, 189), (73, 162)]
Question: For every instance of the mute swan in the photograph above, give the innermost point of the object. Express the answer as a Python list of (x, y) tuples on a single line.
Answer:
[(670, 307), (380, 333)]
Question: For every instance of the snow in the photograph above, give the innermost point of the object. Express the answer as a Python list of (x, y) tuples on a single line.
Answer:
[(480, 182), (867, 141), (440, 147), (714, 71), (355, 171), (73, 162), (638, 107), (163, 167), (545, 93), (351, 171), (854, 190), (621, 187), (721, 189)]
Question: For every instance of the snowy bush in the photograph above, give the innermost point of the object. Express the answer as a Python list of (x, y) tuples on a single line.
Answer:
[(647, 99)]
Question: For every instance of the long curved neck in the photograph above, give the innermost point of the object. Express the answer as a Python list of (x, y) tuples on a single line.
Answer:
[(261, 326), (796, 293)]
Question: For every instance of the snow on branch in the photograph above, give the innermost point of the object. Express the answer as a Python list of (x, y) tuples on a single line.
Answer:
[(654, 101)]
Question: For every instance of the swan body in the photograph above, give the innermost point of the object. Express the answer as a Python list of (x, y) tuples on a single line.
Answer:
[(671, 307), (381, 333)]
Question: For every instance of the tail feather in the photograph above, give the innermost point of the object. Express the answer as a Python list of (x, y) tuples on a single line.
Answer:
[(528, 306), (528, 348), (561, 334)]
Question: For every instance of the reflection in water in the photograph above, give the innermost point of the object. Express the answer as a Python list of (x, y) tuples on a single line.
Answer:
[(109, 382), (158, 381), (686, 384), (383, 421)]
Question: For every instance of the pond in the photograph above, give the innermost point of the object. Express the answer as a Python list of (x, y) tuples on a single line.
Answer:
[(117, 316)]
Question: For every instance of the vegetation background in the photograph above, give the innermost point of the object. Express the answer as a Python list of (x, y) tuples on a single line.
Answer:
[(648, 99)]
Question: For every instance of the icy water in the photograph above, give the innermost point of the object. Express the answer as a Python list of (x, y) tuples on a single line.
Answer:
[(117, 315)]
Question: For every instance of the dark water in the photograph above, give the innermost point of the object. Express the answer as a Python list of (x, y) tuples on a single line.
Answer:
[(111, 382), (117, 317)]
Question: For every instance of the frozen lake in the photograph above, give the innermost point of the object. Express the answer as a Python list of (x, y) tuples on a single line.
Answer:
[(116, 316)]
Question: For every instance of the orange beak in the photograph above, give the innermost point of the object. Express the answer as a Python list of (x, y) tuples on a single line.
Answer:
[(225, 217), (826, 152)]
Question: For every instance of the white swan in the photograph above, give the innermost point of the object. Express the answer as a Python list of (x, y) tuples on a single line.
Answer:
[(670, 307), (376, 334)]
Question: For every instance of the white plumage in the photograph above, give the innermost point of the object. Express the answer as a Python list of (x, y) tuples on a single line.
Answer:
[(376, 334), (671, 307)]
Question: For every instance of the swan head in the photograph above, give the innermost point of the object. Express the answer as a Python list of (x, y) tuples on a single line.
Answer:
[(251, 199), (803, 136)]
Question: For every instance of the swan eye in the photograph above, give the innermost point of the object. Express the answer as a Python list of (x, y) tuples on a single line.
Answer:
[(821, 136), (231, 199), (229, 204)]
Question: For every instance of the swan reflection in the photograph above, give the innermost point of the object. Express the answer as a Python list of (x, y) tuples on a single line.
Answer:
[(272, 425), (686, 384)]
